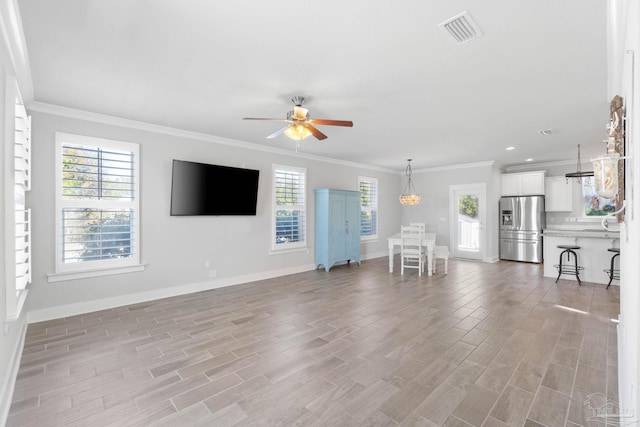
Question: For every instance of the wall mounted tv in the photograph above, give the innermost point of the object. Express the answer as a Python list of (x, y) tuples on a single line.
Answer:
[(204, 189)]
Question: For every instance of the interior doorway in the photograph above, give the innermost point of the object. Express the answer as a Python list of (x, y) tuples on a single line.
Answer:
[(467, 214)]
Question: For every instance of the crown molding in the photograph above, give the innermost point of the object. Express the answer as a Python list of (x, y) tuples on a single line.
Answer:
[(12, 36), (452, 167), (535, 166), (73, 113)]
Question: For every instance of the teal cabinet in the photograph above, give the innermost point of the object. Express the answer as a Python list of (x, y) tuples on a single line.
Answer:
[(337, 227)]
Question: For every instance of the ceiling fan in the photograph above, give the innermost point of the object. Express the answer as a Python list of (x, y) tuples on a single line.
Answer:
[(300, 125)]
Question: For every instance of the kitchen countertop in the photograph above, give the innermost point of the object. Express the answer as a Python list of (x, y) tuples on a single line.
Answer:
[(595, 233)]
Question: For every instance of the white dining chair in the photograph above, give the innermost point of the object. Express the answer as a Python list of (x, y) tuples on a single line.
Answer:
[(421, 225), (411, 252)]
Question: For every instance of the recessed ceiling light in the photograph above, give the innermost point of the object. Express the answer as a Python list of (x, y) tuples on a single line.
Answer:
[(528, 160), (510, 148)]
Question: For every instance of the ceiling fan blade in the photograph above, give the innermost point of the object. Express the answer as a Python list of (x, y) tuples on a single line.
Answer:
[(316, 132), (329, 122), (277, 133), (264, 118)]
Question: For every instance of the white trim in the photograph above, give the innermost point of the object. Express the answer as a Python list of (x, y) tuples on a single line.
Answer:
[(288, 246), (181, 133), (12, 33), (67, 310), (374, 255), (72, 275), (482, 189), (19, 300), (92, 267), (370, 180), (6, 392), (288, 251), (9, 200)]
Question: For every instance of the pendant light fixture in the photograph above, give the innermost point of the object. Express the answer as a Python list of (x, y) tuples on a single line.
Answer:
[(579, 174), (606, 171), (410, 196)]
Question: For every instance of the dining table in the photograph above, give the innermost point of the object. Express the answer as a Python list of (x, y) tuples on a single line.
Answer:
[(428, 242)]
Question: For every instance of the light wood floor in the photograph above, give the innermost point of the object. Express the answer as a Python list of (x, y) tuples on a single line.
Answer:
[(488, 344)]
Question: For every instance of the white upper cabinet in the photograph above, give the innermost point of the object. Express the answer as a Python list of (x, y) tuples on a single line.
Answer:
[(523, 184), (558, 194)]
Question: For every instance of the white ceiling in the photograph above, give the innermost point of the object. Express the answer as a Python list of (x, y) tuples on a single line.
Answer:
[(203, 65)]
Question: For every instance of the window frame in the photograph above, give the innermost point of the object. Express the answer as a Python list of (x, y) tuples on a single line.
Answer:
[(293, 246), (98, 267), (374, 208)]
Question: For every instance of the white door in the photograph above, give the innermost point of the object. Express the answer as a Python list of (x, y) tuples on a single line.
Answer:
[(467, 214)]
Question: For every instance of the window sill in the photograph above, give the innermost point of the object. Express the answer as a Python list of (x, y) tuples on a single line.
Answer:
[(288, 251), (72, 275), (368, 239)]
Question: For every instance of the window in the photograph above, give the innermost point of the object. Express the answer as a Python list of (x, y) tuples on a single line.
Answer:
[(369, 208), (97, 204), (289, 208), (595, 206)]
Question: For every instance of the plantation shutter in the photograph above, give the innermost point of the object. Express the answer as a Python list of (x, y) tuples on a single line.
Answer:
[(369, 207), (98, 204), (289, 208)]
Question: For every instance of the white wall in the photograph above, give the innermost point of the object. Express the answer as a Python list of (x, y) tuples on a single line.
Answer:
[(433, 185), (629, 327), (175, 248)]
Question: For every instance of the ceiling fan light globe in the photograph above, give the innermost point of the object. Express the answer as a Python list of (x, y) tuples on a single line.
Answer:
[(297, 132)]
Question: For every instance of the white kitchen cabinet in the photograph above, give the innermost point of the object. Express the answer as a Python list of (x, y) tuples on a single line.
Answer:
[(558, 194), (523, 184)]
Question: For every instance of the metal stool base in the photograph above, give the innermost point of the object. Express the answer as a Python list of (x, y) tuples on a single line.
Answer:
[(568, 269), (612, 272)]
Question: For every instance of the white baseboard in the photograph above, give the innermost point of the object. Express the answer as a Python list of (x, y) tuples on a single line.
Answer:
[(107, 303), (374, 255), (6, 392), (491, 259)]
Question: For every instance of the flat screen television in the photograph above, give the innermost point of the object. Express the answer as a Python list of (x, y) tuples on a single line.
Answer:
[(204, 189)]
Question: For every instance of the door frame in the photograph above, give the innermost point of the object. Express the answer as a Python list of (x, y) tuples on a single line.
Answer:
[(481, 189)]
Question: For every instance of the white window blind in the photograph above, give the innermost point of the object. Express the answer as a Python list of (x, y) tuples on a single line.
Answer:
[(289, 207), (369, 207), (19, 273), (98, 208)]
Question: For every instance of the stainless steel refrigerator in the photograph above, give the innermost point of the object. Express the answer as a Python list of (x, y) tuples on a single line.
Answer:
[(522, 219)]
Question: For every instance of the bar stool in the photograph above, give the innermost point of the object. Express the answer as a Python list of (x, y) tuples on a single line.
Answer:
[(569, 269), (613, 273)]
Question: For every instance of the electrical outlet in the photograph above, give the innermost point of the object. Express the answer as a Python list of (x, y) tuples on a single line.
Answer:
[(207, 264), (212, 273)]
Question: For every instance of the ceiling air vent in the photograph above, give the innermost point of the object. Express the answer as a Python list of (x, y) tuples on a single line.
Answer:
[(462, 28), (546, 132)]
